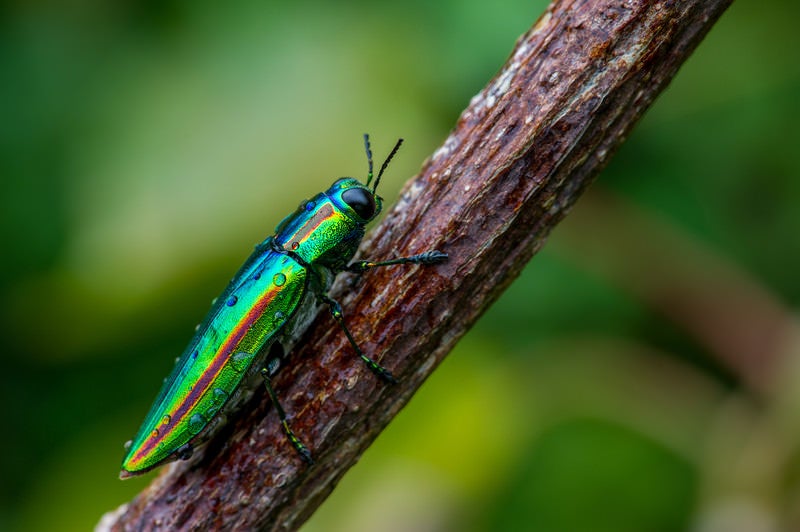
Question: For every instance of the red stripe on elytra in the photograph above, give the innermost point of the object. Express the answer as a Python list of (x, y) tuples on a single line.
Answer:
[(214, 369)]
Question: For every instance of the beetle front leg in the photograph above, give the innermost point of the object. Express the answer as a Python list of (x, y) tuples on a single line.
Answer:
[(336, 312), (429, 257)]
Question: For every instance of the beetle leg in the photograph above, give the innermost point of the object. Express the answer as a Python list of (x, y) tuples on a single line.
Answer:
[(305, 454), (336, 312), (429, 257)]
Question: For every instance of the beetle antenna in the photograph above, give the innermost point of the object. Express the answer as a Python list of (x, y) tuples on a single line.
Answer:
[(369, 157), (386, 163)]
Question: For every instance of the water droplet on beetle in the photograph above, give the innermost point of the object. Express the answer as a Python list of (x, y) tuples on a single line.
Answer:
[(272, 366), (166, 419), (295, 246), (154, 434), (240, 361), (231, 301), (259, 272), (279, 315), (220, 396), (309, 206), (127, 445), (184, 452), (196, 423), (279, 279)]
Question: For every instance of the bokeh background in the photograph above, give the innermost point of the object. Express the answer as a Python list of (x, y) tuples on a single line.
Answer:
[(640, 375)]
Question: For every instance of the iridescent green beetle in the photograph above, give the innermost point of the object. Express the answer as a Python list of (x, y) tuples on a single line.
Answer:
[(274, 294)]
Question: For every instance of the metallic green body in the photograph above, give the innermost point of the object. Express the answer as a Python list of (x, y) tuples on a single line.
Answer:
[(262, 304)]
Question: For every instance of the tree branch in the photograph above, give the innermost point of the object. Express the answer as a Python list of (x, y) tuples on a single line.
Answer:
[(519, 157)]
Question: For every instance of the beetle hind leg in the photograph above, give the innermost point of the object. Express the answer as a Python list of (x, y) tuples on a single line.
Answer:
[(301, 449)]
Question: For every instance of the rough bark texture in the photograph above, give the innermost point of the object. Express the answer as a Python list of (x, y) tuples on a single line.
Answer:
[(519, 157)]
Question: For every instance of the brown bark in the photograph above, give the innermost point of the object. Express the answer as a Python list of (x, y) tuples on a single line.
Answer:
[(519, 157)]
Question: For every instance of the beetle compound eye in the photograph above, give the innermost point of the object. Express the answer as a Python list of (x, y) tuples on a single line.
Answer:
[(361, 201)]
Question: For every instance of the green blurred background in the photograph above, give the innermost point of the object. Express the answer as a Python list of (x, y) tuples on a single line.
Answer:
[(640, 374)]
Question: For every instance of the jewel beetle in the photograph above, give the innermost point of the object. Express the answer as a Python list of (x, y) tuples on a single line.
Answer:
[(274, 294)]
